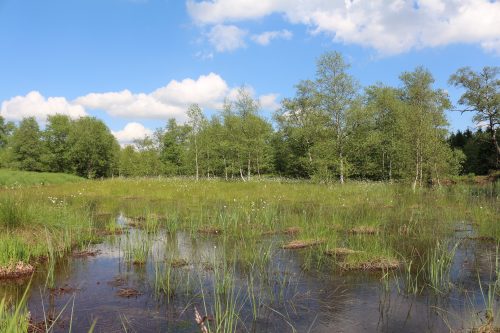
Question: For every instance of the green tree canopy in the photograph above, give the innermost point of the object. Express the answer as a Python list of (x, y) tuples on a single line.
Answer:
[(26, 146), (93, 149), (482, 96)]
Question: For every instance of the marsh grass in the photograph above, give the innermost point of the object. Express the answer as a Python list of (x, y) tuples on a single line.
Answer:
[(227, 299), (16, 178), (137, 248), (438, 266), (14, 318), (13, 212), (383, 227), (489, 294)]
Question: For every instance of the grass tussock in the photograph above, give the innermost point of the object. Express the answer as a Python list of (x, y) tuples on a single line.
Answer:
[(377, 264), (341, 252), (302, 244), (16, 271)]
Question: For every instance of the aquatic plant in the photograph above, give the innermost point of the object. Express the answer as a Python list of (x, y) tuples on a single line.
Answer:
[(438, 266)]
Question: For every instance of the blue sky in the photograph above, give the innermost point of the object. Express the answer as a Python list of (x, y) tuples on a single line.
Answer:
[(136, 63)]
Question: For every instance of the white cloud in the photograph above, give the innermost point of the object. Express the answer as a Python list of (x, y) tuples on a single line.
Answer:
[(233, 94), (266, 37), (218, 11), (36, 105), (389, 26), (204, 55), (226, 37), (170, 101), (207, 91), (126, 104), (269, 102), (492, 46), (131, 132)]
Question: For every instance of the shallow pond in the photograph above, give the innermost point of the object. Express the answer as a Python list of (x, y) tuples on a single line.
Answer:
[(153, 282)]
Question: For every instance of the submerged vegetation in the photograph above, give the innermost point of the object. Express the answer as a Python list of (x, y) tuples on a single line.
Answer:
[(361, 228)]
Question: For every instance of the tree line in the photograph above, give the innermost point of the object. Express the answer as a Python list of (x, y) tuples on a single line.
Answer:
[(331, 129)]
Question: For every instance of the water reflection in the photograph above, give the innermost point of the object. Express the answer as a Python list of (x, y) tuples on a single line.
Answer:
[(277, 296)]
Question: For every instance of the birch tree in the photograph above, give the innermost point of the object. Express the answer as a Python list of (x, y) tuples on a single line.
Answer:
[(196, 121), (337, 90), (482, 96), (425, 124), (301, 126)]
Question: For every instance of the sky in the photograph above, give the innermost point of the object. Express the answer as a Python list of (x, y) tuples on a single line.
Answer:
[(136, 63)]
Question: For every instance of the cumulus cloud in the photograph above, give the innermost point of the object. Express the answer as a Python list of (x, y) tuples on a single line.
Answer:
[(492, 46), (34, 104), (217, 11), (131, 132), (127, 104), (266, 37), (269, 102), (207, 91), (226, 37), (170, 101), (389, 26)]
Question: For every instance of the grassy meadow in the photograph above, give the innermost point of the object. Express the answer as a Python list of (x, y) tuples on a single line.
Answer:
[(372, 219), (16, 178), (363, 227)]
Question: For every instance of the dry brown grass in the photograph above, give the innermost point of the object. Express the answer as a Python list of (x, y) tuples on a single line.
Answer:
[(128, 292), (118, 281), (178, 263), (15, 271), (377, 264), (85, 253), (301, 244), (292, 230), (64, 290), (341, 252), (210, 231), (288, 231), (486, 328), (364, 230)]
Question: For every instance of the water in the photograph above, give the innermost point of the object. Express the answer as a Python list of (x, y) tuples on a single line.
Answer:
[(287, 298)]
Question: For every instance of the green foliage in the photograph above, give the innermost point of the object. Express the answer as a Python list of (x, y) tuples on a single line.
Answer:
[(93, 150), (56, 136), (6, 129), (328, 131), (26, 145), (85, 146), (482, 96), (478, 150), (172, 152)]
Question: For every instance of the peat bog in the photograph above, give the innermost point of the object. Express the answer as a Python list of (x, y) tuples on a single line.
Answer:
[(261, 256)]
